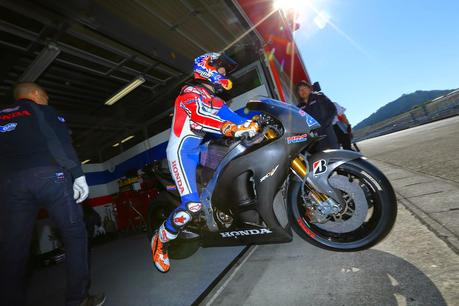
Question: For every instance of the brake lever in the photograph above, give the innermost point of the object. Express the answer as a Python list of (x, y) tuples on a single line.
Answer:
[(246, 141)]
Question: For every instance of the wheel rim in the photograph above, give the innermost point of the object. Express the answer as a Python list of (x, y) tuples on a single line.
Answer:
[(157, 217), (324, 233)]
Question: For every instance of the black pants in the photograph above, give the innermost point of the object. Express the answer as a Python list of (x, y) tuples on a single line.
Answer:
[(343, 138), (21, 195), (329, 142)]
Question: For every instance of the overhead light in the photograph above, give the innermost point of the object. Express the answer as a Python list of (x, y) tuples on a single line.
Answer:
[(123, 141), (41, 62), (127, 139), (86, 161), (127, 89)]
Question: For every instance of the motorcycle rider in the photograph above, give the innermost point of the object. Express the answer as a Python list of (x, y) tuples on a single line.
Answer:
[(197, 111)]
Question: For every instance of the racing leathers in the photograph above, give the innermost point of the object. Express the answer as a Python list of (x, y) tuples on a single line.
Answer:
[(197, 112)]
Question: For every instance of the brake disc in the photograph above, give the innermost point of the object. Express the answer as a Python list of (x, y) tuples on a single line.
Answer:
[(359, 215)]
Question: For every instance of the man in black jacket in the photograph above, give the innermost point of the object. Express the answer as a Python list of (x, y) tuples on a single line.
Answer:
[(323, 110), (39, 166)]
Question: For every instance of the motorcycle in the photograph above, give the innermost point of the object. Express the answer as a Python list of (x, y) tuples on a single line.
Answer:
[(255, 191)]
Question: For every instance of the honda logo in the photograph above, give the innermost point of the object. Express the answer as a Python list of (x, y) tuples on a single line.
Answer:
[(249, 232)]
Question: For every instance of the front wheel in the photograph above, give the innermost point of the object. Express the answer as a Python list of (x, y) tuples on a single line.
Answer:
[(366, 213)]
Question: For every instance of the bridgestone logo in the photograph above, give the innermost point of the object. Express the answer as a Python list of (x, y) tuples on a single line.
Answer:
[(246, 233)]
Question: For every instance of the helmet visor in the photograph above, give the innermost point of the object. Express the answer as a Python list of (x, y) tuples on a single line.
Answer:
[(226, 62)]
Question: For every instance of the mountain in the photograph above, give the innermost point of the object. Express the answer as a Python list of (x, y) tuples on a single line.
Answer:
[(401, 105)]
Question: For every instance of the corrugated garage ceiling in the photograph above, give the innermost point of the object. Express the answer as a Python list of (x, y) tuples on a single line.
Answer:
[(104, 45)]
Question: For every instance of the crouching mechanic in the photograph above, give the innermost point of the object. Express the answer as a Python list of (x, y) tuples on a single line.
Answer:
[(197, 111)]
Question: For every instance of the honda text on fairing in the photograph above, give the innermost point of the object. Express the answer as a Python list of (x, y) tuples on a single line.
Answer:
[(255, 190)]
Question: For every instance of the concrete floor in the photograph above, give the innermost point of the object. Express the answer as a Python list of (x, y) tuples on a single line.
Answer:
[(431, 149), (411, 267), (123, 270), (423, 166)]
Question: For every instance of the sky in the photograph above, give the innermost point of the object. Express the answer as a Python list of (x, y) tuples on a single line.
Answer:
[(372, 51)]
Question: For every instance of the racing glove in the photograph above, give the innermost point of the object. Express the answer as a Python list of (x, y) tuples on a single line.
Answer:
[(249, 128), (80, 189)]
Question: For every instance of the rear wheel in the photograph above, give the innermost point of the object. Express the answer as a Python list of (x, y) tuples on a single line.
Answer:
[(365, 217), (158, 211)]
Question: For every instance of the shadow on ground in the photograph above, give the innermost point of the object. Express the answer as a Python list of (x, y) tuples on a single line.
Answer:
[(322, 278)]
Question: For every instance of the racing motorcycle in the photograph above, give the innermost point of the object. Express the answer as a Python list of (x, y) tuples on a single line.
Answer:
[(255, 191)]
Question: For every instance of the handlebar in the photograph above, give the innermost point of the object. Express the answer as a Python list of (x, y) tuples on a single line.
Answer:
[(254, 140)]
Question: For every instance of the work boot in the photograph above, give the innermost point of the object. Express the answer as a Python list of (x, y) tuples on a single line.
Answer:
[(94, 300), (160, 254)]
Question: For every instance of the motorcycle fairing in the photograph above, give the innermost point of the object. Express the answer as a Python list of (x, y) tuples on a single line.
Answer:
[(333, 159), (268, 166), (228, 194)]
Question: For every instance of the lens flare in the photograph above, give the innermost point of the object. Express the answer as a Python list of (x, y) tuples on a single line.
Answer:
[(322, 19), (290, 4)]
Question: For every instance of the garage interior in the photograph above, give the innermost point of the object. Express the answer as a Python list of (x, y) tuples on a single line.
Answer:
[(84, 52)]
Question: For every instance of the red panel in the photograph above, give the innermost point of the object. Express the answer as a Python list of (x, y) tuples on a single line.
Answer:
[(99, 201), (129, 204), (43, 213), (276, 78), (276, 31)]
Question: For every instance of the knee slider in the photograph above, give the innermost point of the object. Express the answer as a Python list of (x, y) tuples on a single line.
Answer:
[(181, 218)]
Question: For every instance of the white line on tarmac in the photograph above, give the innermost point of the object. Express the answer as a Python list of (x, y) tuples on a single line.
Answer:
[(220, 290)]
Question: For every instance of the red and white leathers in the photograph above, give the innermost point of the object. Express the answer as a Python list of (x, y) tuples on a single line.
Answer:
[(197, 112)]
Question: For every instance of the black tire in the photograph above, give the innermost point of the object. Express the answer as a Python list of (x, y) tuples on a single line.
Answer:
[(384, 205), (158, 211)]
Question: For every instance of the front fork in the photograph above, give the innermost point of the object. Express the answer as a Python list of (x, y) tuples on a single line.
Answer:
[(299, 165)]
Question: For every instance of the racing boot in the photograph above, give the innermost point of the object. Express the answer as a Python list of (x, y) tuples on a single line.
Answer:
[(159, 244)]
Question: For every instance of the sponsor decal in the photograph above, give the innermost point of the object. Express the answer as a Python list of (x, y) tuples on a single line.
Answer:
[(195, 126), (250, 232), (305, 228), (24, 113), (311, 121), (319, 167), (8, 127), (163, 235), (297, 138), (269, 174), (181, 218), (194, 207), (178, 179), (171, 187), (302, 113), (372, 180), (60, 175), (9, 110), (61, 119)]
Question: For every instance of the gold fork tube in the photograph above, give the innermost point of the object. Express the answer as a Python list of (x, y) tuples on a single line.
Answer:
[(270, 134), (299, 167)]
